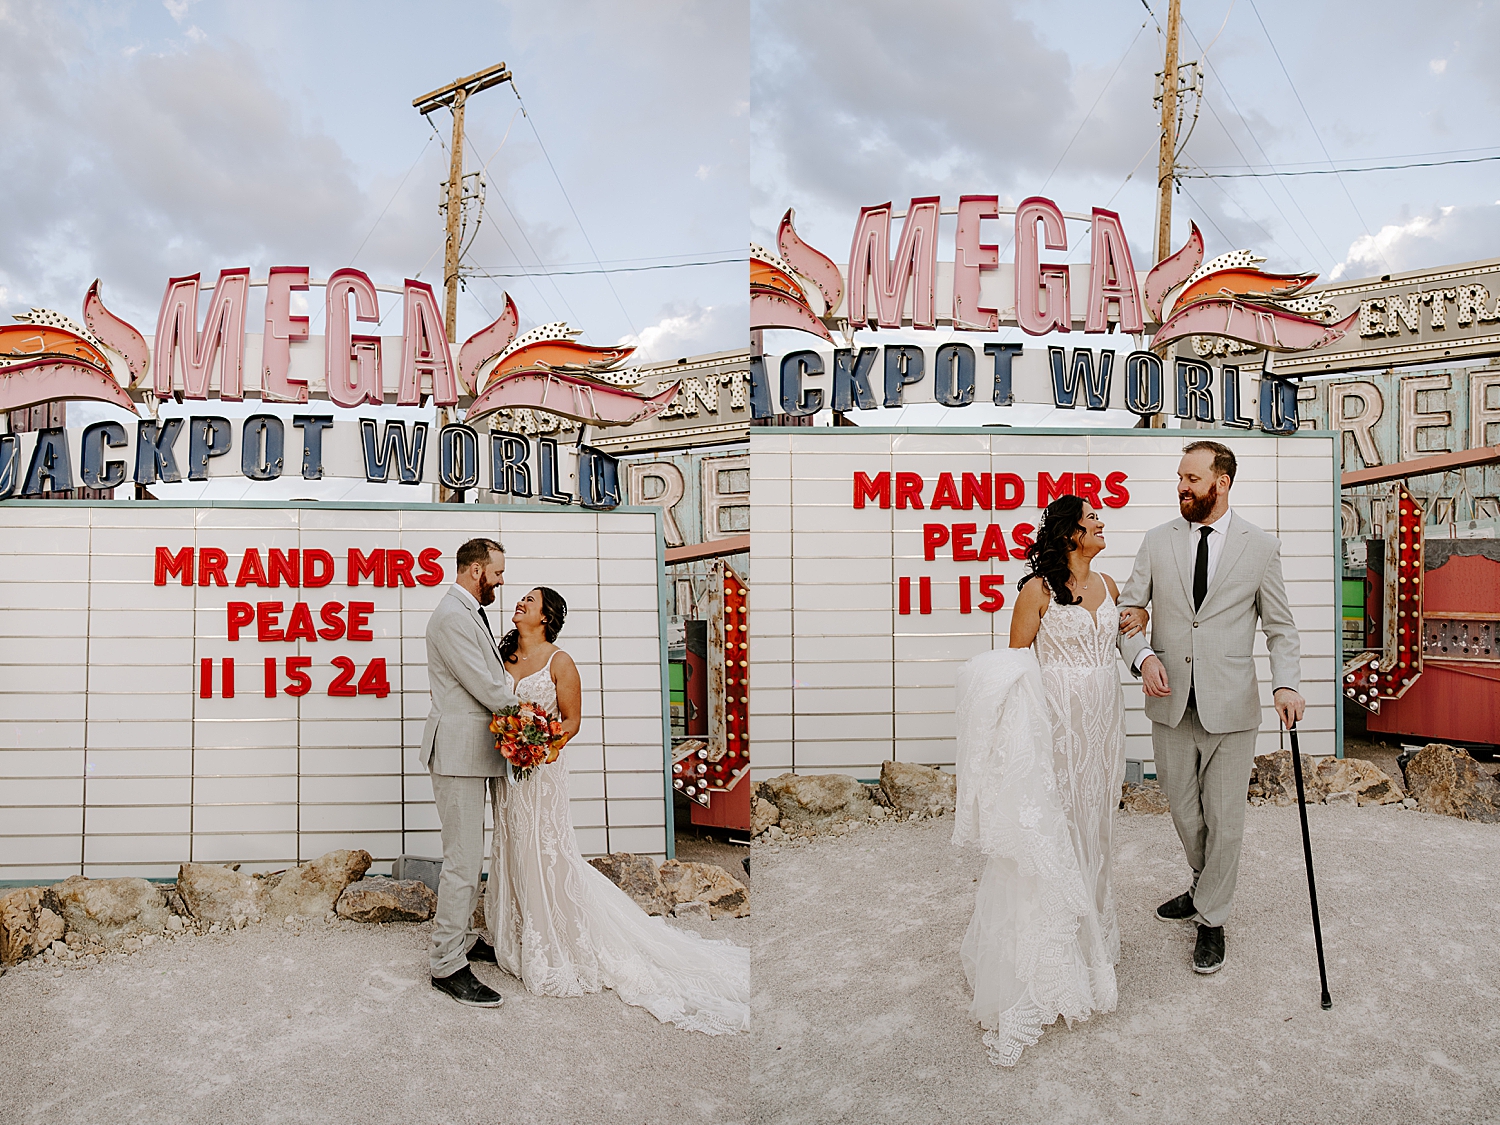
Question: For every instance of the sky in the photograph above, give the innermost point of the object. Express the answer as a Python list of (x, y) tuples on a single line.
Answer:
[(153, 139)]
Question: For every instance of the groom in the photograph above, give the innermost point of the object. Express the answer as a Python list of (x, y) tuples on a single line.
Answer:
[(1208, 576), (468, 684)]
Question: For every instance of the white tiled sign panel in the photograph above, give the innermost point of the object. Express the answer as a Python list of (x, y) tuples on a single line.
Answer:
[(111, 762), (841, 680)]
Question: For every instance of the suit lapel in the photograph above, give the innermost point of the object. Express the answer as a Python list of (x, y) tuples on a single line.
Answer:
[(1182, 544), (1235, 540), (485, 636)]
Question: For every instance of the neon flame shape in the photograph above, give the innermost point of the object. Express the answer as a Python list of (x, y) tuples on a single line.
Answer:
[(777, 298), (117, 335), (1171, 272), (487, 344), (580, 399), (812, 264)]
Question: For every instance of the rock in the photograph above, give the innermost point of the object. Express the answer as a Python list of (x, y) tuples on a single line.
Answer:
[(111, 910), (908, 787), (1446, 780), (1144, 797), (637, 876), (692, 910), (1368, 782), (763, 814), (1344, 797), (380, 899), (215, 893), (175, 924), (814, 801), (877, 813), (1409, 803), (708, 883), (1273, 779), (775, 832), (311, 889), (26, 926)]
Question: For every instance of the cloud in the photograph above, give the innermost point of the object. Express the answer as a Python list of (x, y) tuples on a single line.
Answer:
[(1452, 234), (693, 330), (1437, 66)]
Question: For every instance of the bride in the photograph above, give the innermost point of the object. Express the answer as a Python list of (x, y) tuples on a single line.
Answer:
[(1041, 757), (557, 923)]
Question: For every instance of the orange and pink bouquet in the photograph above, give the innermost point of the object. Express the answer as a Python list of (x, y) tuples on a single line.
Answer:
[(524, 735)]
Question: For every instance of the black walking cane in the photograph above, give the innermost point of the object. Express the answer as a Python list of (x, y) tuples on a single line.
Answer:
[(1312, 889)]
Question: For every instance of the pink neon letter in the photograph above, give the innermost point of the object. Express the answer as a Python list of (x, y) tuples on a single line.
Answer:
[(1112, 277), (1032, 278), (353, 362), (915, 265), (424, 350), (276, 385), (970, 256), (222, 338)]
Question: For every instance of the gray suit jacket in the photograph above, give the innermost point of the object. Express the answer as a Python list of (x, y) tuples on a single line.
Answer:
[(467, 682), (1212, 648)]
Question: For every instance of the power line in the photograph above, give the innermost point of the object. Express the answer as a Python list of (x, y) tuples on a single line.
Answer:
[(1387, 156), (1335, 171), (1313, 126), (486, 272), (581, 230)]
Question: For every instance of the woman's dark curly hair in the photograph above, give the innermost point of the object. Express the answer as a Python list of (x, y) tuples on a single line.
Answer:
[(554, 613), (1048, 556)]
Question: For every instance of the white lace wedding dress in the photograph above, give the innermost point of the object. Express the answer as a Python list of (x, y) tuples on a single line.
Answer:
[(1041, 757), (564, 929)]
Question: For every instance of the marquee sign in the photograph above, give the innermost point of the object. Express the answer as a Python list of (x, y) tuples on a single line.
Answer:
[(886, 558), (1228, 300), (246, 682)]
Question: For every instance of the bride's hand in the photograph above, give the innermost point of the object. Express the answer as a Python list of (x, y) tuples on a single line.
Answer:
[(1133, 620), (557, 744)]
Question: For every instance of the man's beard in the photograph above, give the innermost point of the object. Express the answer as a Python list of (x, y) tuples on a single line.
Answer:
[(486, 592), (1195, 509)]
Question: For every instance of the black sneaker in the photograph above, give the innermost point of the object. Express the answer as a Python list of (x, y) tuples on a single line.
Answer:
[(1208, 952), (483, 951), (1180, 909), (466, 988)]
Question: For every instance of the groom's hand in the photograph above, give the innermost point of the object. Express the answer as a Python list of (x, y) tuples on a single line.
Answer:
[(1154, 677), (1289, 705)]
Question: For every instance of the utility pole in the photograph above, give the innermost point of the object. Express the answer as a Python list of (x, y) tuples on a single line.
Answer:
[(1167, 158), (1166, 161), (455, 96)]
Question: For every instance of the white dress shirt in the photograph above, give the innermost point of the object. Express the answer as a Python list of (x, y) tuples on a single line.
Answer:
[(1219, 533)]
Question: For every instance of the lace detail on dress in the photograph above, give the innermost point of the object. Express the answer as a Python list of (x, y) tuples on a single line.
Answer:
[(1040, 742), (564, 929)]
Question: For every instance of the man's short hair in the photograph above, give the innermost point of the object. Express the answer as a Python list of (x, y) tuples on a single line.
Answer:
[(477, 551), (1224, 462)]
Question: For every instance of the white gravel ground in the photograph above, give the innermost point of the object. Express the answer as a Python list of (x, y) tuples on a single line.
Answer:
[(860, 1007), (338, 1023)]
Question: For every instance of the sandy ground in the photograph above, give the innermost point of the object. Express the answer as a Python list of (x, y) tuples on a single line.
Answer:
[(860, 1007), (333, 1023)]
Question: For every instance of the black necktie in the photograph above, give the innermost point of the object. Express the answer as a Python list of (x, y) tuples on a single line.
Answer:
[(483, 617), (1200, 568)]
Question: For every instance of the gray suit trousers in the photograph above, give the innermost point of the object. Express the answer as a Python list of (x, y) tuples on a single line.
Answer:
[(460, 806), (1205, 777)]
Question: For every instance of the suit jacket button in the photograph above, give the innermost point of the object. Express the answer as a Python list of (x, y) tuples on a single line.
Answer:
[(1189, 659), (1195, 624)]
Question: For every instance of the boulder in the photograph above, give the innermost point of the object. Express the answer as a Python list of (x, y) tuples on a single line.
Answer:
[(1274, 781), (1344, 797), (109, 910), (380, 899), (911, 788), (1446, 780), (1367, 781), (763, 814), (692, 910), (637, 876), (26, 926), (1143, 797), (809, 802), (312, 889), (725, 896), (216, 892)]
